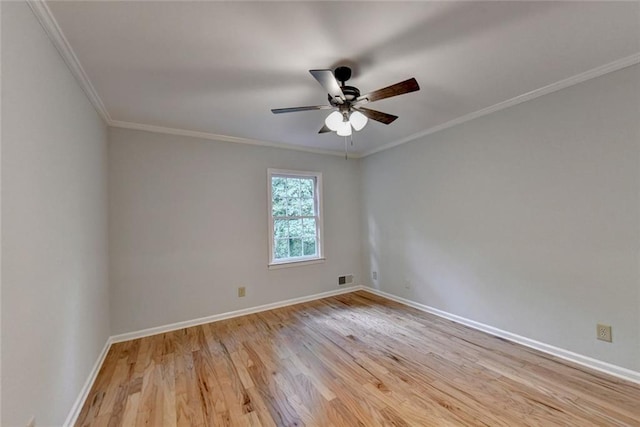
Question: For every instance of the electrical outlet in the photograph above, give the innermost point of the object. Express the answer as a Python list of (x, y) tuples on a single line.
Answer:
[(374, 275), (242, 291), (32, 422), (604, 333)]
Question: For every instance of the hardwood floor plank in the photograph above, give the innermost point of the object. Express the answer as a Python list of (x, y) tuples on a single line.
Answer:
[(168, 385), (130, 409), (352, 360)]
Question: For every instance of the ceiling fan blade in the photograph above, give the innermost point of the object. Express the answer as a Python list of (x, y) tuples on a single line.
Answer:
[(378, 116), (329, 83), (294, 109), (324, 129), (401, 88)]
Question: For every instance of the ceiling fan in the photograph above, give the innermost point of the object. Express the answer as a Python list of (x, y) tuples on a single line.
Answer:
[(348, 103)]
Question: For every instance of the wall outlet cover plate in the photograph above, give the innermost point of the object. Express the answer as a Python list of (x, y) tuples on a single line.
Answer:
[(603, 332)]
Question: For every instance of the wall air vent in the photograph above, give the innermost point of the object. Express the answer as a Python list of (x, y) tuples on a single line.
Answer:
[(345, 280)]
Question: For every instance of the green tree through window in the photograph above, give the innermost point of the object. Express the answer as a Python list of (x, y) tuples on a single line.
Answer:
[(294, 215)]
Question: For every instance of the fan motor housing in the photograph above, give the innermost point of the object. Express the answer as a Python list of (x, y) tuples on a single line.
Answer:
[(350, 93)]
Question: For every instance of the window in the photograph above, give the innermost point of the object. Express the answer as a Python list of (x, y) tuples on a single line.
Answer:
[(295, 216)]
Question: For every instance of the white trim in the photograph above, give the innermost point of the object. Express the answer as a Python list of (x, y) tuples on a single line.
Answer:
[(598, 365), (217, 137), (545, 90), (72, 418), (536, 93), (607, 368), (86, 388), (51, 27), (229, 315), (54, 32), (289, 264)]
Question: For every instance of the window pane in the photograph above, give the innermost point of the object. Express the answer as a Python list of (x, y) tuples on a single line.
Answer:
[(309, 247), (306, 207), (293, 207), (309, 227), (279, 206), (281, 249), (306, 188), (281, 228), (295, 247), (279, 187), (293, 187), (295, 228)]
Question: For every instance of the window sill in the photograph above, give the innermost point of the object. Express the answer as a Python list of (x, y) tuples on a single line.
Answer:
[(290, 264)]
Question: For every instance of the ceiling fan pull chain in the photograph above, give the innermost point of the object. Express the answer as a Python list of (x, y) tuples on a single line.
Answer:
[(346, 157), (352, 139)]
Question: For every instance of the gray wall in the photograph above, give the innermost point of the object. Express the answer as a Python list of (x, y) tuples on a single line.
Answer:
[(188, 225), (526, 220), (54, 227)]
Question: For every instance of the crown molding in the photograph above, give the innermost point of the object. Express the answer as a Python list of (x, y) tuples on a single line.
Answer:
[(54, 32), (545, 90), (51, 27), (224, 138)]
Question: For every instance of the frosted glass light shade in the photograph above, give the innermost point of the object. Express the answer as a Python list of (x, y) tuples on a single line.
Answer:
[(334, 120), (358, 120), (344, 129)]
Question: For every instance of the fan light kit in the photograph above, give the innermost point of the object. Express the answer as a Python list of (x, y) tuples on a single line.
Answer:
[(343, 122), (348, 103)]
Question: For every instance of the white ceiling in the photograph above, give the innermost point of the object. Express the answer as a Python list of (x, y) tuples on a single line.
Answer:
[(219, 67)]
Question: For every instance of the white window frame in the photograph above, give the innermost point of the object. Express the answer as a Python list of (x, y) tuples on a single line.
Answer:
[(303, 260)]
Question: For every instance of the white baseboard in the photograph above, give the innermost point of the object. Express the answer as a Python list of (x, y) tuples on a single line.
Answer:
[(82, 397), (86, 388), (228, 315), (588, 362), (598, 365)]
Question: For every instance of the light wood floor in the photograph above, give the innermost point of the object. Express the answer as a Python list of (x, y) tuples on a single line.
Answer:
[(349, 360)]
